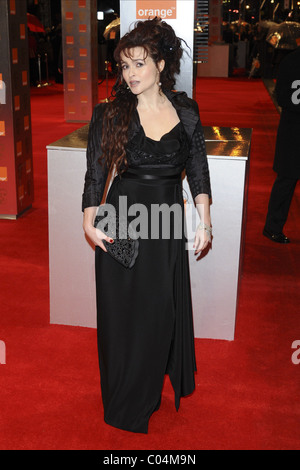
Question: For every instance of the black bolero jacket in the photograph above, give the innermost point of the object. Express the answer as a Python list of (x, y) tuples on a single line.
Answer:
[(196, 165)]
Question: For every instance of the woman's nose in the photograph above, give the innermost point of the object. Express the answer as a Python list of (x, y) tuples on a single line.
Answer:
[(131, 72)]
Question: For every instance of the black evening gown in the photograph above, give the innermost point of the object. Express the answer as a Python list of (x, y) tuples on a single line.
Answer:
[(144, 314)]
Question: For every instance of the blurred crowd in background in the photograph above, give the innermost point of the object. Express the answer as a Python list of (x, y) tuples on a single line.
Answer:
[(257, 49)]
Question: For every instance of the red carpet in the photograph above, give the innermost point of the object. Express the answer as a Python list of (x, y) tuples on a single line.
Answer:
[(247, 394)]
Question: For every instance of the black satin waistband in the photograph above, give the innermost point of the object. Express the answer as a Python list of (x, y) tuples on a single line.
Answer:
[(152, 174)]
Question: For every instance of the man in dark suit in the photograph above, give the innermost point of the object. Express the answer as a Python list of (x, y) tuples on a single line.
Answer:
[(287, 153)]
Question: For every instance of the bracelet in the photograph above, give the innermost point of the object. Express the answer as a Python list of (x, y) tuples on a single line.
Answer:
[(207, 228)]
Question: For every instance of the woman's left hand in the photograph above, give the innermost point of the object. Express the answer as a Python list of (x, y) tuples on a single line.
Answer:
[(202, 239)]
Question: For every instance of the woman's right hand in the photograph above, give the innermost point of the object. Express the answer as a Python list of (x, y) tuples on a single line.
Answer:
[(97, 237), (94, 234)]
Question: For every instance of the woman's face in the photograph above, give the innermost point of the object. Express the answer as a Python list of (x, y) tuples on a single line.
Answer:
[(140, 71)]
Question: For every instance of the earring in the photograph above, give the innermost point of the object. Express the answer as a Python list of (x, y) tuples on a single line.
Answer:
[(160, 89)]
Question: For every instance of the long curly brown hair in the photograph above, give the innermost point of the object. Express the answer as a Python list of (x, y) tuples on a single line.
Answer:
[(159, 42)]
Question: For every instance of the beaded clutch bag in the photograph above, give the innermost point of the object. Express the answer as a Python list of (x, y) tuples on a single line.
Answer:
[(125, 247)]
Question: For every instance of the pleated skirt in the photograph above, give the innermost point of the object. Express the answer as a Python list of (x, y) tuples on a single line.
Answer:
[(144, 314)]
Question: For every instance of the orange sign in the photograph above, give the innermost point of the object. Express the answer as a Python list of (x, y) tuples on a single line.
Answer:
[(165, 10), (12, 7), (2, 128), (3, 173)]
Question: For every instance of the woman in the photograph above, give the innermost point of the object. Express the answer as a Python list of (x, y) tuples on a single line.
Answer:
[(149, 134)]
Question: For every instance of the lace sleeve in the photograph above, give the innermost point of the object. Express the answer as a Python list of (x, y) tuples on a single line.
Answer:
[(197, 166), (96, 174)]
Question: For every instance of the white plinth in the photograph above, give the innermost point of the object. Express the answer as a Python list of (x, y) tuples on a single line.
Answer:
[(214, 277)]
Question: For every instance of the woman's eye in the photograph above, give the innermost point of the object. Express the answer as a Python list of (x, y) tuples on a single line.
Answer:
[(139, 64), (124, 67)]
